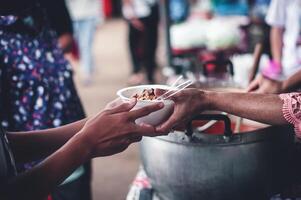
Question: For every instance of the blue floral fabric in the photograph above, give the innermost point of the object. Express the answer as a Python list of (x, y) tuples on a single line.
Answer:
[(36, 85), (7, 20)]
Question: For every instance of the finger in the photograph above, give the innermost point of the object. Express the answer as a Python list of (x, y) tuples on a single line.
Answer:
[(263, 89), (135, 114), (181, 126), (168, 125), (114, 103), (253, 86), (144, 130), (124, 107), (127, 140), (120, 148)]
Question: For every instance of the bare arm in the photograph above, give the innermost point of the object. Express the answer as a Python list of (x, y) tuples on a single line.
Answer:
[(292, 82), (276, 37), (41, 180), (259, 107), (266, 108), (33, 145), (109, 132)]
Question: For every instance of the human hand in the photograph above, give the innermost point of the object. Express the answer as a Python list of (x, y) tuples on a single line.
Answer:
[(137, 24), (265, 85), (188, 103), (114, 103), (65, 42), (114, 129)]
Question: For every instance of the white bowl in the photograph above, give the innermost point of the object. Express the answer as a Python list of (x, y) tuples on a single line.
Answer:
[(154, 118)]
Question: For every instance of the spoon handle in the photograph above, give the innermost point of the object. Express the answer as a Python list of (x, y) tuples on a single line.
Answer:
[(180, 88)]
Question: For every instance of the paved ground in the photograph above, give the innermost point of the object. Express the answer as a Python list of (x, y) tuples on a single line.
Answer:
[(112, 175)]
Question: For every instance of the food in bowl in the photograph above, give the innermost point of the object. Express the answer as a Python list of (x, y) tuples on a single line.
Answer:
[(145, 95)]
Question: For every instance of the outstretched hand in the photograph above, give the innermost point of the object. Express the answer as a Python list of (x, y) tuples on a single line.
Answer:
[(114, 129)]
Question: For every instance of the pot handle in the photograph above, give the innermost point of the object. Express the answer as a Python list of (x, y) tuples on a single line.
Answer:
[(219, 117)]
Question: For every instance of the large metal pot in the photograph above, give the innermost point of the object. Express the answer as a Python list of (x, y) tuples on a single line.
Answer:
[(249, 165)]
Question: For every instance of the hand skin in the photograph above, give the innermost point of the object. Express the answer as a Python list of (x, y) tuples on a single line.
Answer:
[(135, 22), (264, 85), (265, 108), (109, 132), (276, 39), (34, 145), (66, 41)]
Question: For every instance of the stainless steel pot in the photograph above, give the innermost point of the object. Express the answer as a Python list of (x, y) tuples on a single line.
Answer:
[(249, 165)]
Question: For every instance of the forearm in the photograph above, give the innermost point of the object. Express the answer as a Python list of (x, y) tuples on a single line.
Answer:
[(292, 82), (276, 37), (42, 179), (28, 146), (266, 108)]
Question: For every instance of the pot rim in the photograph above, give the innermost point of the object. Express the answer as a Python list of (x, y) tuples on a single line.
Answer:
[(263, 134)]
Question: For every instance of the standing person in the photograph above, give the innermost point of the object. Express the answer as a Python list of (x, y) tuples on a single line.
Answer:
[(36, 88), (143, 20), (284, 18), (85, 15), (60, 21)]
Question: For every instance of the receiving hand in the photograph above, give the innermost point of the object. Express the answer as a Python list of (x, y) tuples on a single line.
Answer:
[(265, 85), (114, 129), (116, 102), (188, 103)]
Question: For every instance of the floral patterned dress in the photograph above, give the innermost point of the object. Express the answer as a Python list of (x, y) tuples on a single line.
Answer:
[(36, 85)]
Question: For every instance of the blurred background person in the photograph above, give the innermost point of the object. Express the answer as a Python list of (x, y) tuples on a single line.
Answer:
[(143, 20), (85, 15), (60, 21), (284, 18), (37, 88)]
